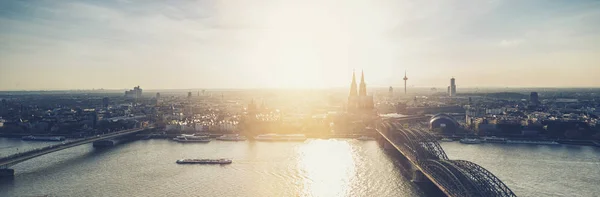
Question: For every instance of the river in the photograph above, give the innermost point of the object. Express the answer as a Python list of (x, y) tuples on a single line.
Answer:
[(316, 167), (147, 168), (536, 170)]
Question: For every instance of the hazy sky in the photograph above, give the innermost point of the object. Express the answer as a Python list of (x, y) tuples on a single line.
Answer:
[(160, 44)]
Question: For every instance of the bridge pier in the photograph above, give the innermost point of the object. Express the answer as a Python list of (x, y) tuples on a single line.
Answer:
[(419, 177), (104, 143), (113, 142), (385, 144), (388, 146), (7, 173)]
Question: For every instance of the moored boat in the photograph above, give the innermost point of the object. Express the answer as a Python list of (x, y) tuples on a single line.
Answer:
[(539, 142), (470, 141), (447, 139), (494, 139), (204, 161), (231, 137), (192, 139)]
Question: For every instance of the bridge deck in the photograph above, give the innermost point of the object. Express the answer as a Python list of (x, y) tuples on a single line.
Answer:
[(414, 163), (452, 177), (4, 163)]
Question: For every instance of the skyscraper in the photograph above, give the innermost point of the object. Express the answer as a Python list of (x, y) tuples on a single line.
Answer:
[(158, 98), (139, 92), (534, 98), (452, 87)]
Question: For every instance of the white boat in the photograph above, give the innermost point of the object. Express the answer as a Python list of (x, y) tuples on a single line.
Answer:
[(191, 138), (532, 142), (365, 138), (447, 139), (205, 134), (279, 137), (231, 137), (470, 141), (494, 139)]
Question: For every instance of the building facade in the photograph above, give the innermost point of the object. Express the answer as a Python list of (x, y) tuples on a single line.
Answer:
[(534, 99), (452, 87), (135, 93)]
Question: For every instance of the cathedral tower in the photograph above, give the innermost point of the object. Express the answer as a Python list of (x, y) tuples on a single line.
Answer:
[(353, 91), (363, 86)]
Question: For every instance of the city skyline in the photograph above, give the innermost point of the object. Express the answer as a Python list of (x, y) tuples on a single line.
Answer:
[(277, 44)]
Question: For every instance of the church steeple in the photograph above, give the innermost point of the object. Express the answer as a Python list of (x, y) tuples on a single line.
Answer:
[(363, 86), (251, 107), (353, 91)]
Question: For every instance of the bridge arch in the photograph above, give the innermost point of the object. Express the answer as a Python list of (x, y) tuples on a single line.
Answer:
[(445, 177), (430, 143), (454, 177), (484, 179)]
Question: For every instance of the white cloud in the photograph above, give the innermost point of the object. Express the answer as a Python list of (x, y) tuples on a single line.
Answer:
[(238, 43)]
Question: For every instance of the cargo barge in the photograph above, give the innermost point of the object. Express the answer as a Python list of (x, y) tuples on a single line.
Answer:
[(204, 161)]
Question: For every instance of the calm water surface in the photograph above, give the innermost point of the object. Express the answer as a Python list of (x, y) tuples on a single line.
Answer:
[(536, 170), (316, 167)]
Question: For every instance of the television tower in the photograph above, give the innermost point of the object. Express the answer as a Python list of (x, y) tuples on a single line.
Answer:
[(405, 79)]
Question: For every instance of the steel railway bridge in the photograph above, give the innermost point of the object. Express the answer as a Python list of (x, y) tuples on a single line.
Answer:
[(430, 163), (6, 162)]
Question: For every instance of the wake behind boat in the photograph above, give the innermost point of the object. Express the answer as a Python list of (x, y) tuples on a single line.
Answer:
[(204, 161)]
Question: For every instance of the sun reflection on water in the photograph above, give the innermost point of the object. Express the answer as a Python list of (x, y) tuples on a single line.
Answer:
[(327, 167)]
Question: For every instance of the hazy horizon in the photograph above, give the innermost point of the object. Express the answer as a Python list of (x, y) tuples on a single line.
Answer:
[(397, 89), (118, 44)]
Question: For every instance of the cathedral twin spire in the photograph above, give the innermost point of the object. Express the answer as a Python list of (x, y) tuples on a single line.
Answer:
[(363, 86), (362, 91), (353, 91)]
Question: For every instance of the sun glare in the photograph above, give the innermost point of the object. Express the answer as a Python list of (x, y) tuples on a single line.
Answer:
[(327, 167)]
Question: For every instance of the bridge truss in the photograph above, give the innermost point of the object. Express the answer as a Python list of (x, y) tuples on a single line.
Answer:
[(456, 177)]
